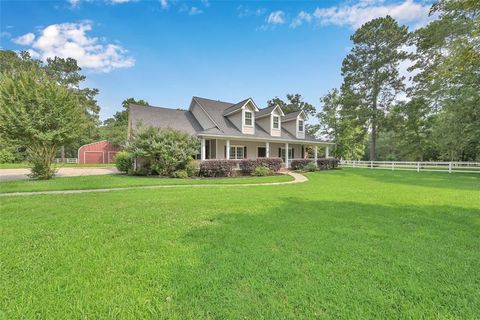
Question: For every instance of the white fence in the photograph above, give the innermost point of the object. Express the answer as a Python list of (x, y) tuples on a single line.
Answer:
[(473, 167), (66, 160)]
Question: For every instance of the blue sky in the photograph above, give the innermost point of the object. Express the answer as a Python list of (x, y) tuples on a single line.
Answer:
[(168, 51)]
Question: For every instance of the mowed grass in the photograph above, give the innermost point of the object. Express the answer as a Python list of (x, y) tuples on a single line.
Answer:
[(118, 180), (346, 244), (23, 165)]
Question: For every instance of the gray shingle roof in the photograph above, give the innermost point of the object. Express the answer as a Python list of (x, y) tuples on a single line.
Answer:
[(164, 118), (265, 111), (291, 115), (216, 109), (185, 121), (235, 107)]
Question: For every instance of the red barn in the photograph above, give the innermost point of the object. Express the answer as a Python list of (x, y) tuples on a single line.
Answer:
[(97, 152)]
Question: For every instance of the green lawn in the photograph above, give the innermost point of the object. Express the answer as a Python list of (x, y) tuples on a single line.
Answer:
[(346, 244), (118, 180), (23, 165)]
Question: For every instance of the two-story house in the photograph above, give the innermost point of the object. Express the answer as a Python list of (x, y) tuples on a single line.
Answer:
[(235, 130)]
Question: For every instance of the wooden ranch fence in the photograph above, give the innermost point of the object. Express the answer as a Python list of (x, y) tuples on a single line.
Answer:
[(472, 167)]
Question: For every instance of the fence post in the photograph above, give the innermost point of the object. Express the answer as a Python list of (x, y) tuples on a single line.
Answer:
[(418, 166), (371, 164), (449, 167), (393, 165)]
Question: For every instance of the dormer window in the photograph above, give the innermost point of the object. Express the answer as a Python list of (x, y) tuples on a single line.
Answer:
[(276, 122), (300, 125), (248, 118)]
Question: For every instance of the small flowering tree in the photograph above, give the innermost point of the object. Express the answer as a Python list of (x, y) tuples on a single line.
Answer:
[(164, 150), (41, 114)]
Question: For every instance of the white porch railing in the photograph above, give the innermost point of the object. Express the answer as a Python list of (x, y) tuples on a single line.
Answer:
[(66, 160), (472, 167)]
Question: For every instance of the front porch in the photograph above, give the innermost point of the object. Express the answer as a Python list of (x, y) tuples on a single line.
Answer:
[(215, 148)]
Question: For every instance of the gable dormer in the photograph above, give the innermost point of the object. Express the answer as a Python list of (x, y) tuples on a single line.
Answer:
[(295, 123), (270, 119), (242, 115)]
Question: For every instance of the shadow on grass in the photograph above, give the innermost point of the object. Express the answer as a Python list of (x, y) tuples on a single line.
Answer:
[(311, 259), (468, 181)]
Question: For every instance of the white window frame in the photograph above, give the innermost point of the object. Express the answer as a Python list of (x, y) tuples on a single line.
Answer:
[(234, 156), (278, 122), (245, 118), (303, 125)]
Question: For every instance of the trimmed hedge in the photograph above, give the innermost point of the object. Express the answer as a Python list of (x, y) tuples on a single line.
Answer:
[(327, 163), (322, 163), (217, 168), (248, 166), (299, 164)]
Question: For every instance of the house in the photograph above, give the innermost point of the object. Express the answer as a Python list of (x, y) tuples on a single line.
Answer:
[(243, 129)]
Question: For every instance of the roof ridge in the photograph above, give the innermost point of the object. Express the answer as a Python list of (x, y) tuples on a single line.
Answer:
[(196, 97), (167, 108)]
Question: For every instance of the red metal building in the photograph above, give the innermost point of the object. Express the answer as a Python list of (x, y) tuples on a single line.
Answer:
[(97, 152)]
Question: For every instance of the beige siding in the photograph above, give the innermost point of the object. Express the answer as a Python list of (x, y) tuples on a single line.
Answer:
[(300, 134), (248, 129)]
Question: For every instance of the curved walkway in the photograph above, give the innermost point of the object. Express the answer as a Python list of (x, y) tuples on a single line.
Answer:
[(297, 178)]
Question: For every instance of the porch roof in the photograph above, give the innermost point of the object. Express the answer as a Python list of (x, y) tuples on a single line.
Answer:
[(215, 135)]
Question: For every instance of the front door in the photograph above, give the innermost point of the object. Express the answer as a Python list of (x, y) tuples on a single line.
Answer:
[(261, 152)]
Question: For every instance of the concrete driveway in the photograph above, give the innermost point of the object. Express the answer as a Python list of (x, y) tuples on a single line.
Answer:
[(21, 174)]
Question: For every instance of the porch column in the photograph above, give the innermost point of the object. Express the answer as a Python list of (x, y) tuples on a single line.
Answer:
[(286, 155), (327, 149), (315, 153), (267, 149), (227, 150), (203, 149)]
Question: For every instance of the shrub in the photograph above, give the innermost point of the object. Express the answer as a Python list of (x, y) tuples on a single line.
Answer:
[(180, 174), (248, 166), (327, 163), (191, 168), (217, 168), (40, 167), (262, 171), (299, 164), (124, 161), (310, 167), (7, 156), (166, 150), (143, 171)]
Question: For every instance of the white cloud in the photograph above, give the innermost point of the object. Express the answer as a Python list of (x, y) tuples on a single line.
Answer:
[(301, 18), (164, 4), (406, 12), (245, 11), (25, 40), (276, 17), (5, 34), (74, 3), (194, 10), (70, 40)]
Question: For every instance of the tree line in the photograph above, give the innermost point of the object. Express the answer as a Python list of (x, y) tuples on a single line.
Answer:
[(377, 115)]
